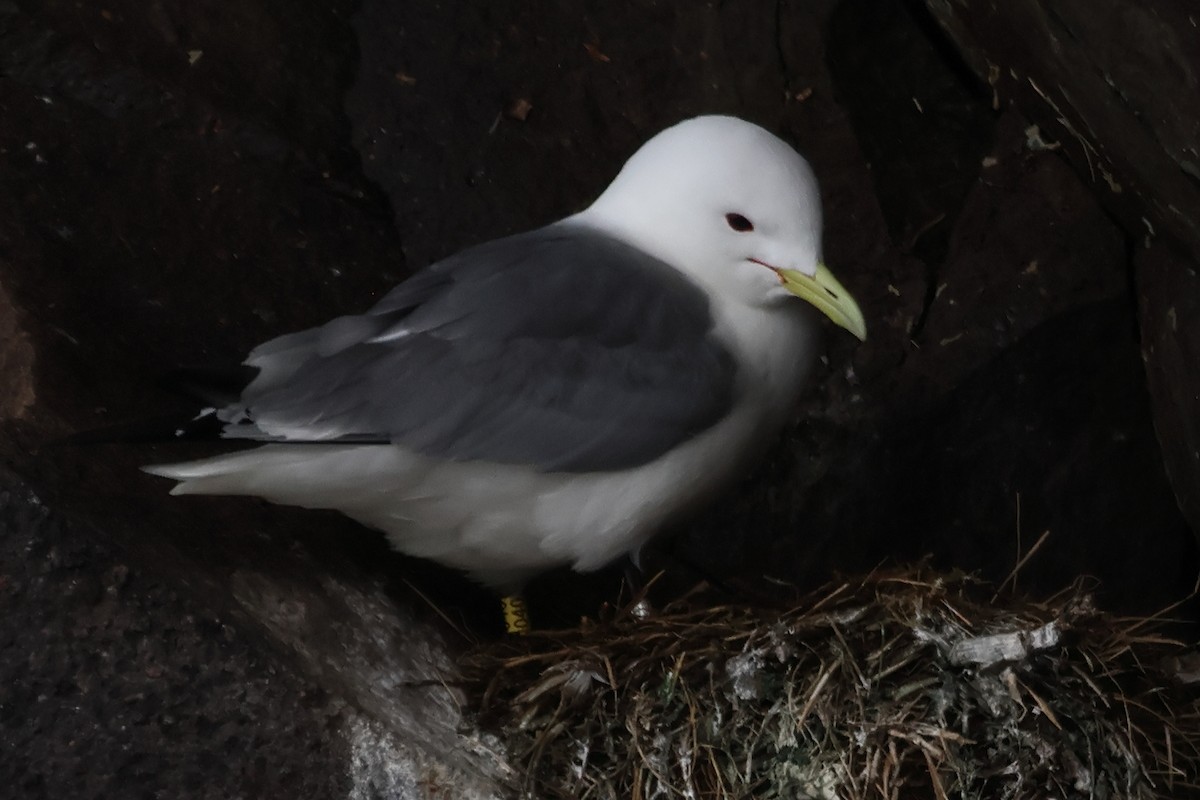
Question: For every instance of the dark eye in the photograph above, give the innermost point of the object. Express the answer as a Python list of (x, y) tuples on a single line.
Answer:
[(739, 223)]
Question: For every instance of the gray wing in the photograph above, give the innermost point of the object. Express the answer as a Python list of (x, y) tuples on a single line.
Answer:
[(561, 348)]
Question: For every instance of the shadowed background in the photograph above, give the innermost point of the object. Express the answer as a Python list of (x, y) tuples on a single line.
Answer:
[(180, 181)]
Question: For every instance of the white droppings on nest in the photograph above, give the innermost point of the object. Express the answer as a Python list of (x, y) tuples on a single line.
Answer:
[(744, 672), (583, 749), (782, 641), (658, 761), (869, 695), (683, 755), (984, 651)]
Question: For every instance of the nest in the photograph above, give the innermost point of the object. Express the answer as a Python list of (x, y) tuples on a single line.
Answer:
[(908, 684)]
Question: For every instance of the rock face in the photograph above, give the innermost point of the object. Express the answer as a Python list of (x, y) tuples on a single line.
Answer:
[(1169, 312), (115, 686), (184, 180), (1117, 87), (178, 183)]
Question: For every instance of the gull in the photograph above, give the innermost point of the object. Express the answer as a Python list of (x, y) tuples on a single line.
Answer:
[(555, 397)]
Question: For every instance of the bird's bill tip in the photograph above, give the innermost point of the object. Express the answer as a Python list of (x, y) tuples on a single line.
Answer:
[(827, 294)]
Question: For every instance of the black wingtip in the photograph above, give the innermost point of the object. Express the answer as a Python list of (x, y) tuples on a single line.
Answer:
[(205, 427), (214, 386)]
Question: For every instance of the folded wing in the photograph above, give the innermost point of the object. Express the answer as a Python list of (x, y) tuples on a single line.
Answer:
[(561, 348)]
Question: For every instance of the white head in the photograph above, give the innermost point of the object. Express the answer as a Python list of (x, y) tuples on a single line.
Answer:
[(733, 206)]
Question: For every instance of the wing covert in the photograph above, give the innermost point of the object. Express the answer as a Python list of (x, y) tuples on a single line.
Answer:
[(561, 348)]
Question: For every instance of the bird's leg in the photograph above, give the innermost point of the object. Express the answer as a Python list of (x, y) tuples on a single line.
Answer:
[(516, 614)]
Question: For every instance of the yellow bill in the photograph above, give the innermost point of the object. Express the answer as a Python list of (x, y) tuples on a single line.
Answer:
[(830, 297)]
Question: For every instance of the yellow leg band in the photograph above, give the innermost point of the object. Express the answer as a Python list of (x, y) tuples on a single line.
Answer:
[(516, 614)]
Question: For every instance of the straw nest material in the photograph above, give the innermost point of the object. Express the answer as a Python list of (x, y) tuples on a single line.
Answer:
[(908, 684)]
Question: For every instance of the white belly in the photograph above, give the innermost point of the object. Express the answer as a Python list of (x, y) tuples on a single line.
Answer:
[(500, 523)]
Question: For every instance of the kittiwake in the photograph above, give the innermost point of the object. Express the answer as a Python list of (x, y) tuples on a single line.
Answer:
[(555, 397)]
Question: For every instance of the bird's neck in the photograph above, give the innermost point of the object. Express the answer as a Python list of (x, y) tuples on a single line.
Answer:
[(646, 234), (776, 348)]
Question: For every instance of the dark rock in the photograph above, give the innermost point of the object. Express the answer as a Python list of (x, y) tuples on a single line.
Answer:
[(1116, 85), (1052, 436), (1169, 314), (158, 212), (113, 693), (1116, 88), (181, 182), (1029, 243)]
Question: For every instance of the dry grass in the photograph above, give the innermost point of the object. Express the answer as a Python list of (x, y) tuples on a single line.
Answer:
[(899, 685)]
